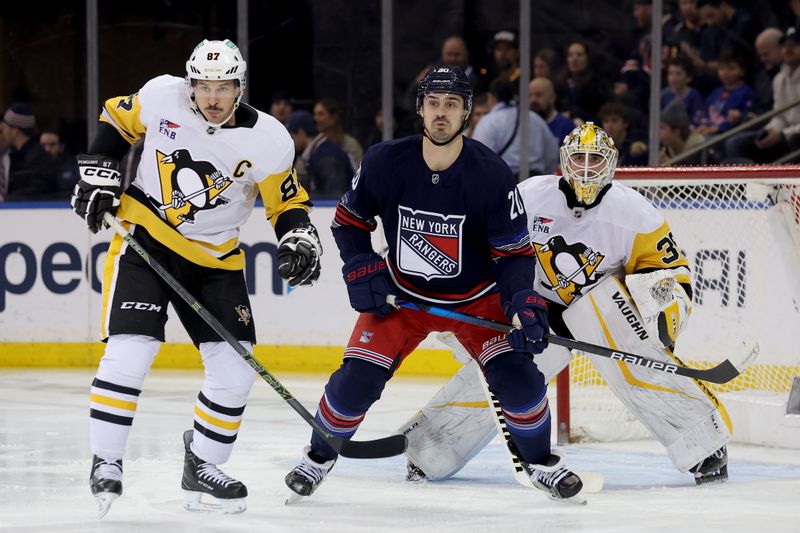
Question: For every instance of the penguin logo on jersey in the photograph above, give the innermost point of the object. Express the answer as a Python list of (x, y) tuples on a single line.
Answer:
[(244, 314), (429, 244), (189, 186), (569, 268)]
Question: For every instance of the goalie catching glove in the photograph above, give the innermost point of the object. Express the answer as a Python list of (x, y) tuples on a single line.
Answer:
[(527, 311), (298, 256), (663, 303), (98, 189)]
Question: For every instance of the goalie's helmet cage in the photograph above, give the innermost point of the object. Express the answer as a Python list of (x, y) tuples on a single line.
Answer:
[(447, 79), (214, 61), (588, 161)]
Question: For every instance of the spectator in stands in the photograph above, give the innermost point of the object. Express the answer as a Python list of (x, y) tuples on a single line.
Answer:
[(728, 30), (686, 32), (675, 134), (586, 88), (5, 162), (66, 167), (614, 117), (545, 64), (31, 170), (731, 102), (505, 51), (328, 120), (679, 79), (480, 106), (542, 101), (770, 55), (498, 130), (376, 135), (782, 133), (281, 106), (326, 168), (454, 53), (643, 18)]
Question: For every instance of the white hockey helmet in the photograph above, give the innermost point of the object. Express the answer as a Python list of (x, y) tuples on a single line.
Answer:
[(588, 161), (215, 60)]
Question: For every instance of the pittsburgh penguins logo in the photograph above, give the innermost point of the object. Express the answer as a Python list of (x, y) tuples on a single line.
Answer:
[(569, 267), (189, 186)]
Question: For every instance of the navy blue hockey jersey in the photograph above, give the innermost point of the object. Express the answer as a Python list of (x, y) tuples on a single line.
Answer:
[(445, 229)]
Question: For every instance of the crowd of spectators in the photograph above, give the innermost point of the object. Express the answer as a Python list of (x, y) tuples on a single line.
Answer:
[(723, 62)]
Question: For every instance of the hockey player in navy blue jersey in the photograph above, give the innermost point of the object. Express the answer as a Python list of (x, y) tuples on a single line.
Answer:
[(457, 234)]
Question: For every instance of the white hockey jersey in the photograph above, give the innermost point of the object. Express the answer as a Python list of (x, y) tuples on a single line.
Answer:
[(576, 248), (193, 190)]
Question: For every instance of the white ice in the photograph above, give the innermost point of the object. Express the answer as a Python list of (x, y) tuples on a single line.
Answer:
[(45, 457)]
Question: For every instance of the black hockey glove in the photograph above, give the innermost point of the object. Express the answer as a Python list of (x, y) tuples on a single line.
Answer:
[(368, 284), (528, 312), (98, 189), (298, 256)]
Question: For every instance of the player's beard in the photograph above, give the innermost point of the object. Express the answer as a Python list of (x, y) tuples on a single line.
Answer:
[(439, 136)]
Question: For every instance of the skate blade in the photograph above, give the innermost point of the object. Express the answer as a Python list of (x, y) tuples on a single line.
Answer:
[(293, 497), (192, 501), (578, 499), (104, 501)]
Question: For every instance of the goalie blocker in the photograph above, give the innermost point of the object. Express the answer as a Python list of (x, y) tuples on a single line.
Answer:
[(681, 413)]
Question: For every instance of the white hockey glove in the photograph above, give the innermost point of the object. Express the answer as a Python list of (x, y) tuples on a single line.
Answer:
[(663, 303), (98, 189), (298, 256)]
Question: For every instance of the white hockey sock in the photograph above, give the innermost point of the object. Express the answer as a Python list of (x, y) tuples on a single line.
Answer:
[(115, 392), (220, 404)]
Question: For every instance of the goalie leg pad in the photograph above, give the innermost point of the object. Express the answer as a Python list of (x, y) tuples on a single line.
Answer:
[(680, 412), (452, 428)]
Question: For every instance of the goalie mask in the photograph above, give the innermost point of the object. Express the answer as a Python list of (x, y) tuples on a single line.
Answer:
[(215, 61), (446, 79), (588, 161)]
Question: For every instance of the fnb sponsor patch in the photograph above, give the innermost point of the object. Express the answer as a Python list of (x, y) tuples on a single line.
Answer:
[(429, 244)]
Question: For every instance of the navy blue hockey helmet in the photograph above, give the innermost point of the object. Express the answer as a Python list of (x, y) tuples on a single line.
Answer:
[(446, 79)]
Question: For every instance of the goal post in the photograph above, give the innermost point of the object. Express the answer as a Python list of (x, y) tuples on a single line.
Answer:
[(739, 226)]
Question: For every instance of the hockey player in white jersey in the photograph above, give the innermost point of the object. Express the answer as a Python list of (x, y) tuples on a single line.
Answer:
[(614, 276), (206, 158)]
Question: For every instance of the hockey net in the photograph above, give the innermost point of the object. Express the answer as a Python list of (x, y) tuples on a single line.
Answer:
[(740, 228)]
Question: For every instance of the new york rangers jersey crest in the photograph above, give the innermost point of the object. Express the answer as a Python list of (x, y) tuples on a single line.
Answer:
[(429, 244)]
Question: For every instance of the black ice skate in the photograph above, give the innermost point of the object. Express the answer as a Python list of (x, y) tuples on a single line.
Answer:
[(559, 482), (304, 479), (415, 473), (712, 469), (105, 481), (200, 477)]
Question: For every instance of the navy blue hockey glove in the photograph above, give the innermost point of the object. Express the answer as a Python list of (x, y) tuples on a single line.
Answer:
[(528, 312), (98, 189), (368, 284), (298, 256)]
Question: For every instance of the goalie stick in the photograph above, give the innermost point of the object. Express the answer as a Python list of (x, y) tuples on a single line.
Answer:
[(385, 447), (721, 373), (592, 481)]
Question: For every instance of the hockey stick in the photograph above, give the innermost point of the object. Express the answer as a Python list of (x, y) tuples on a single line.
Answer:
[(385, 447), (721, 373), (592, 481), (164, 207)]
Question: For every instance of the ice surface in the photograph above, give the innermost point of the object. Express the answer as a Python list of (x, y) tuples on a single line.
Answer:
[(45, 458)]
